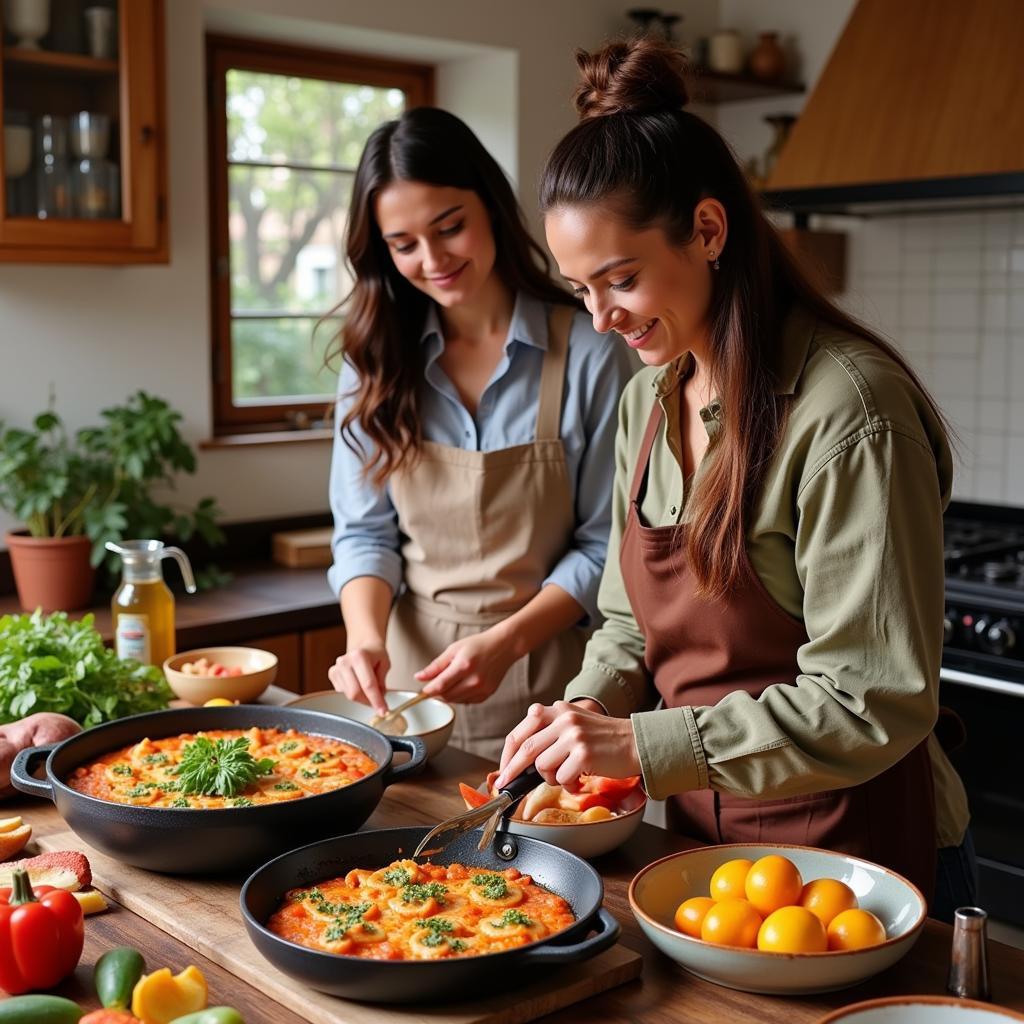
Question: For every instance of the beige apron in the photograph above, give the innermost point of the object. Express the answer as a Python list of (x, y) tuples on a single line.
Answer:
[(480, 533)]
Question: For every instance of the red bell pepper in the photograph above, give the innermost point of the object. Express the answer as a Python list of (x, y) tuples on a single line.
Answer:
[(472, 797), (41, 936), (612, 789)]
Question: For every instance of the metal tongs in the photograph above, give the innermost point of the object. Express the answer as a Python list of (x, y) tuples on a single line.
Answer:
[(491, 812)]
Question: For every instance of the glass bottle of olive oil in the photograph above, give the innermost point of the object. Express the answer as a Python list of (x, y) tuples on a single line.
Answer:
[(142, 608)]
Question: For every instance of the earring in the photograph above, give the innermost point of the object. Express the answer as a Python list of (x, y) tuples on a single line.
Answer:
[(716, 265)]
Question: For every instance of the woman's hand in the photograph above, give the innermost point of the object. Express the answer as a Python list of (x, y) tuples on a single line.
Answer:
[(469, 670), (565, 741), (34, 731), (360, 673)]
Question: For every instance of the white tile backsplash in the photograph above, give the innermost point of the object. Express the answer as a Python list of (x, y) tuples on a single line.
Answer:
[(948, 289)]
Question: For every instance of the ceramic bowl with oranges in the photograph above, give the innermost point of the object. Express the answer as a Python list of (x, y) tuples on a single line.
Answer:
[(781, 920)]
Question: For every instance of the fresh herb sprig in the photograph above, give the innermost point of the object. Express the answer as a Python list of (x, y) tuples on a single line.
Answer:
[(220, 767)]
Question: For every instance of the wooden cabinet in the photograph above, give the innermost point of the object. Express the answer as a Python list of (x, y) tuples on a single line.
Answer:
[(83, 151), (288, 648), (304, 658)]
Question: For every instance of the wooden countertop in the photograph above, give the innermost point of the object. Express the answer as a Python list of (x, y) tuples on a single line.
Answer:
[(260, 599), (665, 993)]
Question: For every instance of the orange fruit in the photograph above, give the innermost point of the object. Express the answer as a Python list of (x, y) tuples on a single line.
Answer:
[(827, 897), (792, 930), (728, 880), (773, 882), (855, 929), (690, 914), (218, 702), (731, 923)]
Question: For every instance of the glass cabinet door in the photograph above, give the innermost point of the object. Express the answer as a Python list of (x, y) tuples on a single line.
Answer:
[(82, 147)]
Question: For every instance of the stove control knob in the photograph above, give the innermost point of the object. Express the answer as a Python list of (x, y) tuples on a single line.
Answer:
[(949, 624), (996, 638)]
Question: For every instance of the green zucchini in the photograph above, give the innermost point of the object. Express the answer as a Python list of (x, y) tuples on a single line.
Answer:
[(115, 976), (211, 1015), (39, 1010)]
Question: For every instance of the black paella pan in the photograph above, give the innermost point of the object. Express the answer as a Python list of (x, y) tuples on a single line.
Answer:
[(193, 841), (404, 981)]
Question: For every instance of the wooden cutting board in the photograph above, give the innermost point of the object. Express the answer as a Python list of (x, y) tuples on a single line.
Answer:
[(204, 914)]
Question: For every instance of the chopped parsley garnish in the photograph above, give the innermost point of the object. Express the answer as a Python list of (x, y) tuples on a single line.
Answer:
[(181, 802), (439, 931), (493, 887), (141, 789), (311, 773), (220, 767), (155, 759), (122, 769), (242, 801), (288, 746), (397, 877), (415, 893), (170, 787), (317, 758), (286, 786), (346, 915), (513, 917)]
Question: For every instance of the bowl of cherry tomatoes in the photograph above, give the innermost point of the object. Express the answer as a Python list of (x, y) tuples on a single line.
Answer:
[(774, 919), (237, 674)]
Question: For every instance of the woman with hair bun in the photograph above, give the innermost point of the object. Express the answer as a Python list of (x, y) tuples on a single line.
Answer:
[(775, 573), (476, 421)]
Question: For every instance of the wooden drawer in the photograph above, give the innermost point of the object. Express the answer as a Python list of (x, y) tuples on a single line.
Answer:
[(288, 648), (320, 649)]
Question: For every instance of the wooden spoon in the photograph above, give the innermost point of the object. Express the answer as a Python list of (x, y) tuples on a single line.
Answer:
[(394, 722)]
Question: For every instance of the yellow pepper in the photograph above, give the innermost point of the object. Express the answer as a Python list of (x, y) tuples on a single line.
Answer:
[(160, 997)]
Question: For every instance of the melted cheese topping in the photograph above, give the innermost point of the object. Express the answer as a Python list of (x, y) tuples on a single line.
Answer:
[(410, 911), (146, 774)]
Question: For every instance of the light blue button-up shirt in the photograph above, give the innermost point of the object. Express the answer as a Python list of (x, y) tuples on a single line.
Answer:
[(366, 536)]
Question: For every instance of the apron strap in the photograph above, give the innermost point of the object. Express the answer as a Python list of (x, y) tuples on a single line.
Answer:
[(644, 456), (552, 375)]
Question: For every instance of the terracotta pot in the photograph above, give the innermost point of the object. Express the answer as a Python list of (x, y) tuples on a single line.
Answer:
[(767, 60), (52, 573)]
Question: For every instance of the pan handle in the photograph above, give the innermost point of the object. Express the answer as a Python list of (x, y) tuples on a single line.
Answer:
[(25, 762), (417, 751), (607, 932)]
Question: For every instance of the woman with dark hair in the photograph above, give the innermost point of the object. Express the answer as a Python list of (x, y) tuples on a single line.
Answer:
[(776, 569), (476, 424)]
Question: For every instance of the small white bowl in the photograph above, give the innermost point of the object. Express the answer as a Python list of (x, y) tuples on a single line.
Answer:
[(587, 838), (656, 892), (259, 669), (921, 1010), (431, 720)]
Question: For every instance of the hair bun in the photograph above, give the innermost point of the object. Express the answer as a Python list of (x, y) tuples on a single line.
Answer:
[(639, 76)]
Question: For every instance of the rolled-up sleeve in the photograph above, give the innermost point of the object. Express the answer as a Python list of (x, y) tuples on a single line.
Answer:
[(601, 375), (365, 541), (868, 551), (613, 671)]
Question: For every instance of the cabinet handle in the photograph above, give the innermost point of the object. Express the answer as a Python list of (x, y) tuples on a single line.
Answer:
[(147, 134)]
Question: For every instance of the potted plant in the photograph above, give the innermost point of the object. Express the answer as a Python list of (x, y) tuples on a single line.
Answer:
[(76, 492)]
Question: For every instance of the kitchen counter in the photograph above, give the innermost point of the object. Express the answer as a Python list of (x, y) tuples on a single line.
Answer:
[(665, 993)]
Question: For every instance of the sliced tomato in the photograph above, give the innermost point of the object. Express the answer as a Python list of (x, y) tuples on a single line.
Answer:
[(613, 789), (472, 798)]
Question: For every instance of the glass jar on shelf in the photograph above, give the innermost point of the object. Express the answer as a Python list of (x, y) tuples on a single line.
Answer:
[(53, 192)]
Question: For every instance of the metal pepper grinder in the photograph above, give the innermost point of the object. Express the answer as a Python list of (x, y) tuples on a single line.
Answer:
[(968, 966)]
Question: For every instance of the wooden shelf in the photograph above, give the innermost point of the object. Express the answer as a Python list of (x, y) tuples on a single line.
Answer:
[(718, 87), (51, 62)]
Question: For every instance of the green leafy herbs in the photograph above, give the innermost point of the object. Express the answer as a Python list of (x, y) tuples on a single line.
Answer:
[(286, 786), (288, 746), (493, 887), (181, 802), (50, 663), (310, 773), (439, 931), (417, 893), (155, 759), (514, 917), (220, 767), (317, 758), (241, 801), (141, 789), (122, 769), (397, 877)]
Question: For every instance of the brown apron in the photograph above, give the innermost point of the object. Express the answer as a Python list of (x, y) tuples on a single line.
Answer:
[(480, 533), (699, 651)]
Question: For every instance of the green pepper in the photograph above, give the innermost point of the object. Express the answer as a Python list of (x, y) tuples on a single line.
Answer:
[(115, 976), (211, 1015), (39, 1010)]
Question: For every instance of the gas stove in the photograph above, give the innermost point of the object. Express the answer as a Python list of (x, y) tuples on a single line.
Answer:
[(984, 626)]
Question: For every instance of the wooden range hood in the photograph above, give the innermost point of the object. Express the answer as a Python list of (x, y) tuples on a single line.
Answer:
[(921, 103)]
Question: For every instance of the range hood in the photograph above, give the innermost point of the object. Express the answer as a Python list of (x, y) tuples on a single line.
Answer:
[(921, 105)]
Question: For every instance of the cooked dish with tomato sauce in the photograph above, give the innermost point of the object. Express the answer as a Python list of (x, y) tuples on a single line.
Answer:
[(223, 768), (410, 911)]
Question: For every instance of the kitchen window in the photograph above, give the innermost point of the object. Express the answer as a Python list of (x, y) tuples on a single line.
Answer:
[(287, 126)]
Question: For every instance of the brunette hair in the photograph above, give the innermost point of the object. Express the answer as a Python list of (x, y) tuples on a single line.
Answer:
[(637, 152), (385, 313)]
